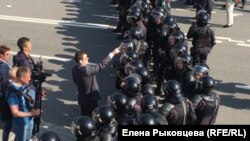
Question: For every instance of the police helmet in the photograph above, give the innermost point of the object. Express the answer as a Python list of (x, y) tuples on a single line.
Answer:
[(119, 102), (160, 3), (172, 88), (132, 86), (136, 33), (135, 7), (202, 18), (169, 27), (133, 17), (185, 60), (206, 84), (179, 36), (179, 49), (201, 70), (132, 65), (144, 6), (144, 74), (149, 102), (145, 119), (148, 89), (103, 115), (157, 14), (83, 127), (128, 57), (127, 45), (146, 1)]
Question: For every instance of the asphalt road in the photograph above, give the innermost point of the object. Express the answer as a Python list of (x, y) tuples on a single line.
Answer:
[(58, 28)]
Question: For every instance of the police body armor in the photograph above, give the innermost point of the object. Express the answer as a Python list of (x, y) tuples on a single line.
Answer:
[(140, 48), (211, 105), (159, 118), (178, 111), (203, 37)]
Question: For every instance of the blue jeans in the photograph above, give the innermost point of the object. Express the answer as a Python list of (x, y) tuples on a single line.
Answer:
[(6, 130), (23, 132)]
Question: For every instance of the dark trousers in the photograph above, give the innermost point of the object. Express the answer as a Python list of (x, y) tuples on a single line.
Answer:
[(200, 55), (6, 130), (88, 107)]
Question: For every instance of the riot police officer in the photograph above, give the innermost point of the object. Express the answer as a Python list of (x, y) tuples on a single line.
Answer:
[(206, 102), (177, 109), (104, 118), (138, 36), (84, 129), (119, 67), (144, 74), (203, 38), (134, 19), (191, 80), (149, 104), (182, 65), (131, 66), (145, 11), (120, 103), (132, 89)]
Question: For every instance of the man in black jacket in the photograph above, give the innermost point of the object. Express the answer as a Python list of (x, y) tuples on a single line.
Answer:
[(23, 58), (85, 80)]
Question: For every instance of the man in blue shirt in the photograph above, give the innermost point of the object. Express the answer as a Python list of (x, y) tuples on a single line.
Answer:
[(19, 100)]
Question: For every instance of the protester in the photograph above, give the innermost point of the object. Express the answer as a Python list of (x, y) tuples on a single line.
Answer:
[(84, 76)]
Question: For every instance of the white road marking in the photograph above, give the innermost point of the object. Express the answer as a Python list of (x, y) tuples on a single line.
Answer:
[(180, 9), (236, 14), (45, 57), (105, 16), (56, 22), (87, 25), (242, 87), (236, 41), (244, 45), (222, 38), (218, 41), (8, 6)]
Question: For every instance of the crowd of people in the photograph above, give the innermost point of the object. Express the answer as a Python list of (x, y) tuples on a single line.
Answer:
[(160, 83), (162, 80)]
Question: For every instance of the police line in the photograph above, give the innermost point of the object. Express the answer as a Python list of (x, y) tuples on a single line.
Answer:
[(239, 132)]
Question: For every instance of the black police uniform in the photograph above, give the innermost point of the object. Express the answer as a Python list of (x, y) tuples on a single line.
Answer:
[(203, 41), (206, 108), (177, 110), (206, 103)]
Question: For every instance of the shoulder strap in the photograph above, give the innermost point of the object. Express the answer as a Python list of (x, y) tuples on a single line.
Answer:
[(216, 108), (185, 112)]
